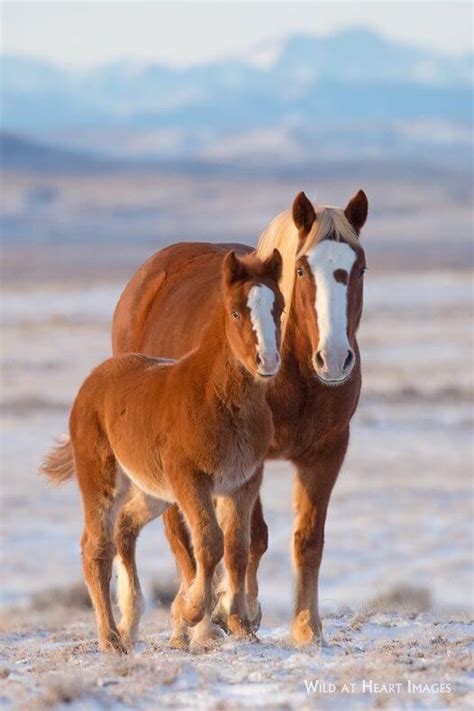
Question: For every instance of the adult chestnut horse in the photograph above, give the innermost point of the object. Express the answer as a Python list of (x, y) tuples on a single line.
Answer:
[(163, 309)]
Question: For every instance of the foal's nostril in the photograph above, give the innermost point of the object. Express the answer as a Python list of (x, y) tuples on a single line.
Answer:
[(320, 360), (348, 361), (258, 359)]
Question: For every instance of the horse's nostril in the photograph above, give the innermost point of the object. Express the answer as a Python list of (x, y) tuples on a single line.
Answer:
[(319, 360), (348, 361), (258, 359)]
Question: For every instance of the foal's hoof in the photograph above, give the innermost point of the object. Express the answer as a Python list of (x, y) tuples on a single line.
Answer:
[(305, 631), (112, 643), (206, 638), (241, 629), (128, 636)]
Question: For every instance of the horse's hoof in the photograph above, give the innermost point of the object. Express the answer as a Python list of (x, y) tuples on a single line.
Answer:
[(256, 619), (305, 631), (180, 641), (112, 643), (220, 620), (219, 616), (241, 629)]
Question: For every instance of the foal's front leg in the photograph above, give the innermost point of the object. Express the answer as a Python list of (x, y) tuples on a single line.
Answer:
[(193, 494), (234, 512), (314, 482)]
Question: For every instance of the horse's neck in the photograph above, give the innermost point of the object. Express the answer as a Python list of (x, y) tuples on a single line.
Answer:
[(225, 378), (296, 346)]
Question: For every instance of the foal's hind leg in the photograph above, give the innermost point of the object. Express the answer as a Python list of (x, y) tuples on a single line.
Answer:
[(179, 539), (138, 510), (102, 491)]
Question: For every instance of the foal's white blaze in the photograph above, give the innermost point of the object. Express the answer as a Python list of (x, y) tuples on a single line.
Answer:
[(331, 301), (260, 302)]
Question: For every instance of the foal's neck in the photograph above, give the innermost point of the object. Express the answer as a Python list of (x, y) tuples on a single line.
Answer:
[(226, 378)]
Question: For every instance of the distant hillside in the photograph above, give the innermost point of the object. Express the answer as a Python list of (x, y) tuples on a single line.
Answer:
[(20, 153), (374, 95)]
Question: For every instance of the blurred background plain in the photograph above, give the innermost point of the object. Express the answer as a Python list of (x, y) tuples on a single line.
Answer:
[(129, 126)]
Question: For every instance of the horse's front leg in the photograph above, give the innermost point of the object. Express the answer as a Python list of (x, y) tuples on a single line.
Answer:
[(235, 513), (315, 479)]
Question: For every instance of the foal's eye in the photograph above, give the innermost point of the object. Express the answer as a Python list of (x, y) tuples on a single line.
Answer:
[(362, 272), (235, 315), (300, 271)]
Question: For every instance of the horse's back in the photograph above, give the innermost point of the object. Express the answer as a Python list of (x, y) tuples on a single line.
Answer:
[(166, 304)]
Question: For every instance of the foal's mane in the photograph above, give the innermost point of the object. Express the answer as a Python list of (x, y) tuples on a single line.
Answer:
[(282, 233)]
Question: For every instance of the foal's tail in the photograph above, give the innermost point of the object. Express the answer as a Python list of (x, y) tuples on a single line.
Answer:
[(58, 464)]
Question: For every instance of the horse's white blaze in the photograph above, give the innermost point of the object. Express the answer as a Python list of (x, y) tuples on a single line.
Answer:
[(260, 302), (331, 295)]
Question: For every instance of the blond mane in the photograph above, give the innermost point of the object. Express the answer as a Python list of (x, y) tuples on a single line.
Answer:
[(282, 233)]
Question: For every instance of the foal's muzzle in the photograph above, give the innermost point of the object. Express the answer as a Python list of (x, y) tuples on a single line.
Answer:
[(267, 364)]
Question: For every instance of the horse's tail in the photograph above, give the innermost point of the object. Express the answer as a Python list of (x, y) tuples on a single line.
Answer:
[(58, 464)]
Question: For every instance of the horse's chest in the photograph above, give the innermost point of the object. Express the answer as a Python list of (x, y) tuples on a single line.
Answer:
[(305, 412)]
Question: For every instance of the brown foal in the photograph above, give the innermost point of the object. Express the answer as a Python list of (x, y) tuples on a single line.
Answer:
[(146, 433)]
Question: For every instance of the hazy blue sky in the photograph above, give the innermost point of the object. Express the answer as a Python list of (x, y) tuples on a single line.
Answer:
[(86, 33)]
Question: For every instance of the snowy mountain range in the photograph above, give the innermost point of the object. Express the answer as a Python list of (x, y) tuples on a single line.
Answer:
[(351, 91)]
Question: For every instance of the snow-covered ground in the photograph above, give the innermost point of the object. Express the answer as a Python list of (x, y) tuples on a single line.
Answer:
[(396, 591)]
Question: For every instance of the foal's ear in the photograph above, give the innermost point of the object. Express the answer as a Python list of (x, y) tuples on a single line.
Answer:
[(357, 210), (303, 214), (272, 266), (234, 269)]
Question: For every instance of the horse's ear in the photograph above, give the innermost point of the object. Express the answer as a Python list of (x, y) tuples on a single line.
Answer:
[(357, 210), (273, 265), (234, 269), (304, 214)]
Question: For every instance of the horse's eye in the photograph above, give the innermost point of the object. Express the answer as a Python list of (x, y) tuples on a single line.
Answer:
[(300, 271), (235, 315), (361, 273)]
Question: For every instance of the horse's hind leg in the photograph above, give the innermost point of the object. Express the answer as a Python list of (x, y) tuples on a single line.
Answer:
[(258, 546), (102, 491), (234, 513), (138, 510)]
